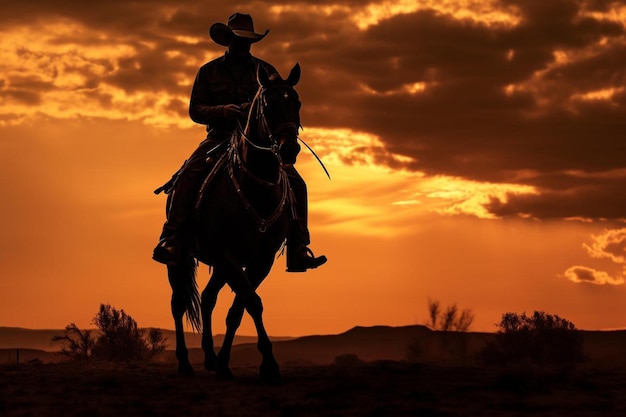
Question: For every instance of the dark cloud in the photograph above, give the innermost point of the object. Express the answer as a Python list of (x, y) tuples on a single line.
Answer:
[(498, 101), (576, 200)]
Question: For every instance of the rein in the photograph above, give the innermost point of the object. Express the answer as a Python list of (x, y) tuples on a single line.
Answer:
[(260, 97), (235, 160), (263, 223), (274, 147)]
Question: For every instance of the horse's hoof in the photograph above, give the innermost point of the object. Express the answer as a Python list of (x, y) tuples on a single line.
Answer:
[(210, 364), (270, 373), (224, 374), (185, 369)]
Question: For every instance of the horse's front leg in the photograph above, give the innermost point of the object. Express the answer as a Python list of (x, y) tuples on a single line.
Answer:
[(256, 273), (233, 320), (244, 285), (209, 299), (269, 370)]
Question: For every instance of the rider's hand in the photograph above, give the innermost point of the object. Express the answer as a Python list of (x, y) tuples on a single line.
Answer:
[(231, 111)]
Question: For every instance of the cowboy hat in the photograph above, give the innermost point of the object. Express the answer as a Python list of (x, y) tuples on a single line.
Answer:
[(240, 25)]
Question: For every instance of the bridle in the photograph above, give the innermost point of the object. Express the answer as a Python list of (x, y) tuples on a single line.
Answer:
[(286, 194), (260, 100)]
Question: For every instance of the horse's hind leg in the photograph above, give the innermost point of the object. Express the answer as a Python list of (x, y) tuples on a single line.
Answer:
[(179, 307), (209, 298)]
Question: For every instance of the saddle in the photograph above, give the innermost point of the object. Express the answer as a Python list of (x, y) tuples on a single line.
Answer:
[(225, 159), (171, 183)]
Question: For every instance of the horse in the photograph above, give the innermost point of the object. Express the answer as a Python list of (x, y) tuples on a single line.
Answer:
[(240, 225)]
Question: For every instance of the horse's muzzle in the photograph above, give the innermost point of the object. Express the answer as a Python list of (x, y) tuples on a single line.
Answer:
[(289, 151)]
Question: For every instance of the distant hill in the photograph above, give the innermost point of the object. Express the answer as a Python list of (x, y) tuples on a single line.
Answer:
[(605, 349), (371, 344), (17, 337)]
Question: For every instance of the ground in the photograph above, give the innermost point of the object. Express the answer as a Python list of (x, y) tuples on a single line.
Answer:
[(356, 389)]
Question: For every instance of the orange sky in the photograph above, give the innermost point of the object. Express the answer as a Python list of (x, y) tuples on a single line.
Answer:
[(476, 152)]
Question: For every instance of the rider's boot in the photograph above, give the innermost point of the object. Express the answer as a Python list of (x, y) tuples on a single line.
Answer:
[(182, 198), (299, 256), (166, 251)]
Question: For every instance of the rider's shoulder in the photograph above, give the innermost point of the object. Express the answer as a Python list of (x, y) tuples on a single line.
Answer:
[(213, 62)]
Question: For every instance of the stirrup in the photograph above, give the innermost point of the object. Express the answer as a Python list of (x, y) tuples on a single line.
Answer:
[(303, 259)]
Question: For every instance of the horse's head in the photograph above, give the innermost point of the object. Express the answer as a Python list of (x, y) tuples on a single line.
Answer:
[(279, 112)]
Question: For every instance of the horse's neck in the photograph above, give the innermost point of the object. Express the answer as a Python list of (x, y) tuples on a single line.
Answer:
[(261, 163)]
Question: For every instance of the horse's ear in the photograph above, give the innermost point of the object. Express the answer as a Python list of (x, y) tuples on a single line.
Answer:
[(294, 75), (262, 75)]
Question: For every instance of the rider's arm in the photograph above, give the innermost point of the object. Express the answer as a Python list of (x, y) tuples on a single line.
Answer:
[(201, 107)]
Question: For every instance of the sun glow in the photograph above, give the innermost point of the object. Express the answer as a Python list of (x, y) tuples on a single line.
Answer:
[(485, 12), (603, 94), (44, 76), (189, 40), (550, 89), (615, 13), (460, 196), (409, 88), (374, 192)]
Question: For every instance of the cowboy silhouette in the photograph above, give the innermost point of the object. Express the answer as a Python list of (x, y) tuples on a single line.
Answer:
[(220, 99)]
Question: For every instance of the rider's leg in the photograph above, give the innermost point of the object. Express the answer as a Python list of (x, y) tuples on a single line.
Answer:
[(182, 200), (299, 256)]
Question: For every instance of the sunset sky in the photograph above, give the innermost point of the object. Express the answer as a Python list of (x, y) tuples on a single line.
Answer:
[(476, 148)]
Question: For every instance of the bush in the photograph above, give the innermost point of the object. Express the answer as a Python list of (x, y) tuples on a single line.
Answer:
[(120, 339), (348, 360), (541, 339)]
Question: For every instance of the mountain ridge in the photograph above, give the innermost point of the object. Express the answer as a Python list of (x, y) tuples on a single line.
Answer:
[(359, 343)]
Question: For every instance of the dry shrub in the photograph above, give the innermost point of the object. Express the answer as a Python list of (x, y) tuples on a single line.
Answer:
[(119, 338), (75, 343), (450, 319), (540, 339), (348, 360)]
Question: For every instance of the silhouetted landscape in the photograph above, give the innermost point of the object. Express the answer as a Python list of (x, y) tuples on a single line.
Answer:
[(380, 370)]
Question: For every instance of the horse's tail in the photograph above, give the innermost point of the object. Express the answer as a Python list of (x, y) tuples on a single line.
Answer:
[(183, 280)]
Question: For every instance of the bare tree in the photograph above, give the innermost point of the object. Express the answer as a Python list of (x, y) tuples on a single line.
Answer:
[(76, 343), (464, 321), (433, 311), (449, 319)]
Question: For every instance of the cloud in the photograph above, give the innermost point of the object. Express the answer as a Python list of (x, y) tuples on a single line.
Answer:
[(585, 275), (517, 92), (569, 195), (610, 244), (382, 182)]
